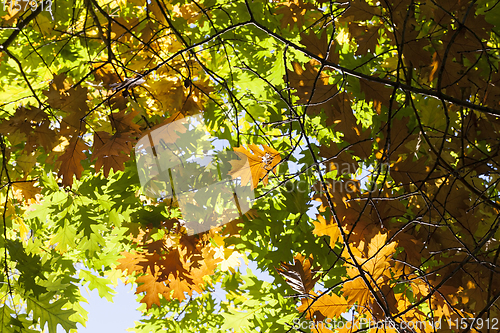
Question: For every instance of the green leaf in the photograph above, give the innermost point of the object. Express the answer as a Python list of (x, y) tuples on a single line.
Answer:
[(64, 238), (49, 313), (99, 283), (6, 319)]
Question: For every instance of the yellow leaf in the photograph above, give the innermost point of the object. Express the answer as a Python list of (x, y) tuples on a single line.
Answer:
[(23, 229), (60, 147)]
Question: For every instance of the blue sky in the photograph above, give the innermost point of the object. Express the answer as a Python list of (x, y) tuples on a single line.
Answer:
[(119, 315), (107, 317)]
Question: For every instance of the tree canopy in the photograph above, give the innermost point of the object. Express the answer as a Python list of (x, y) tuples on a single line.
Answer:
[(365, 133)]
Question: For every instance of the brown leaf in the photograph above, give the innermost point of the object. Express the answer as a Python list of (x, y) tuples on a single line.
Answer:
[(378, 93), (311, 87), (406, 171), (105, 74), (294, 12), (45, 136), (56, 89), (299, 276), (320, 46), (27, 190), (341, 160), (71, 100), (359, 10), (71, 160), (366, 37), (340, 114), (123, 122), (172, 263), (111, 151)]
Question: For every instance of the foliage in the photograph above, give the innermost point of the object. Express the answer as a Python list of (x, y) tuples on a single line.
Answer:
[(371, 129)]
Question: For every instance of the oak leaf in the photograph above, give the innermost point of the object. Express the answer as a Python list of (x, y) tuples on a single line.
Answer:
[(26, 189), (111, 151), (71, 160), (123, 122), (173, 263), (44, 136), (105, 73), (312, 86), (206, 267), (359, 10), (366, 37), (294, 12), (324, 228), (72, 100), (130, 262), (379, 252), (414, 49), (356, 291), (339, 159), (320, 46), (299, 275), (377, 266), (254, 165), (377, 92), (149, 284), (176, 289), (328, 306), (340, 114)]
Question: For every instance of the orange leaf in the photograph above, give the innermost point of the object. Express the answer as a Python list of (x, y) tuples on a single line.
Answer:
[(71, 161), (356, 291), (177, 288), (130, 262), (435, 66), (329, 306), (377, 266), (105, 74), (324, 228), (260, 163), (152, 287)]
